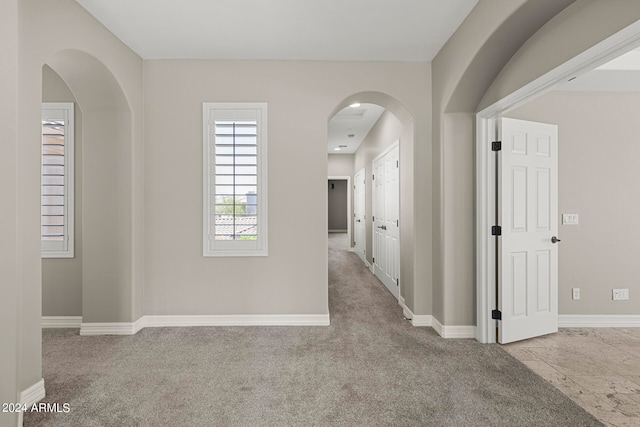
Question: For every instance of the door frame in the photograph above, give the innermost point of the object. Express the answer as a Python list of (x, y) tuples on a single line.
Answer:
[(384, 152), (353, 215), (349, 209), (486, 203)]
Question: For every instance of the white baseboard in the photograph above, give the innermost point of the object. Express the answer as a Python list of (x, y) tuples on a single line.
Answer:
[(239, 320), (416, 319), (33, 394), (598, 321), (337, 231), (422, 320), (111, 328), (151, 321), (61, 322), (454, 331)]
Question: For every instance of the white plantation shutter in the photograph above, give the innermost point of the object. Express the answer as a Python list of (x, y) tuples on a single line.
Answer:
[(57, 181), (235, 199)]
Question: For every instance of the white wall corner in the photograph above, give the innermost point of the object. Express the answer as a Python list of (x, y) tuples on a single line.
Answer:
[(454, 331), (598, 321), (50, 322), (33, 394)]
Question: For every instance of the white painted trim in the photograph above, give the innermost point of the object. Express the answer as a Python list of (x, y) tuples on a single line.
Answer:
[(406, 312), (621, 42), (33, 394), (422, 320), (349, 208), (599, 321), (212, 111), (50, 322), (238, 320), (153, 321), (108, 328), (454, 331)]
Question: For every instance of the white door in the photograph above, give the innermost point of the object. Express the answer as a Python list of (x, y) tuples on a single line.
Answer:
[(360, 240), (528, 215), (386, 218)]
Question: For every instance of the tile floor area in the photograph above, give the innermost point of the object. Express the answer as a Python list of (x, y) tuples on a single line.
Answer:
[(599, 368)]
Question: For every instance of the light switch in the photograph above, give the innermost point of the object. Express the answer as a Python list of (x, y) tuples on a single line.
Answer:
[(570, 219)]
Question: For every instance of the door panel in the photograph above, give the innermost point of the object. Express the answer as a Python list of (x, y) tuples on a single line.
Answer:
[(387, 215), (528, 193), (359, 215)]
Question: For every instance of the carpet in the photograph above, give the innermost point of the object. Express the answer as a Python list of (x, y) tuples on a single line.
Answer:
[(369, 368)]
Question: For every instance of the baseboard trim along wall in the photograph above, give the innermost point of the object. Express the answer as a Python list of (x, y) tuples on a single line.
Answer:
[(598, 321), (151, 321), (61, 321), (454, 331), (238, 320), (416, 319), (33, 394)]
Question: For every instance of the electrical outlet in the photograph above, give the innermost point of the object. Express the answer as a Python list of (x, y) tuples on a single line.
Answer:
[(620, 294), (575, 293), (570, 219)]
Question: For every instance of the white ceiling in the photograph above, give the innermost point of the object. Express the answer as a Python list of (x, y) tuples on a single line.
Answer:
[(356, 121), (620, 75), (376, 30)]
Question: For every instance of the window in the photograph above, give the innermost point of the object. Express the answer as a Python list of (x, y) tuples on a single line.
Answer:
[(56, 225), (235, 179)]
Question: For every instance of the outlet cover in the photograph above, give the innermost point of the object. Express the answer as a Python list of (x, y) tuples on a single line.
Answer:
[(575, 293), (570, 219), (620, 294)]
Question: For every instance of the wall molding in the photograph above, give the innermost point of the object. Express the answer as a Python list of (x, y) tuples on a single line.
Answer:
[(416, 319), (33, 394), (599, 321), (151, 321), (166, 321), (454, 331), (61, 322)]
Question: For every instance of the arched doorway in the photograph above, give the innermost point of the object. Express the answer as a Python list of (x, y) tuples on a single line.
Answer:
[(395, 125), (104, 188)]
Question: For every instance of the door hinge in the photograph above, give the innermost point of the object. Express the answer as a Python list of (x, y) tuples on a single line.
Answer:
[(373, 177), (374, 218), (398, 282), (496, 314), (496, 146), (373, 260), (397, 163), (496, 230), (397, 223)]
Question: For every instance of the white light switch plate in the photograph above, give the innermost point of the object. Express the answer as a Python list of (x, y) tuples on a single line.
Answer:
[(570, 219)]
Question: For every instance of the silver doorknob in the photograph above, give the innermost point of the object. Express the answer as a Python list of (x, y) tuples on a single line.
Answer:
[(554, 239), (357, 220)]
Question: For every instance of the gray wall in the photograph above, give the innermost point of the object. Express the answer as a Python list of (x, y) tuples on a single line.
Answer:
[(337, 201), (340, 165), (599, 176), (62, 277), (290, 280), (10, 281)]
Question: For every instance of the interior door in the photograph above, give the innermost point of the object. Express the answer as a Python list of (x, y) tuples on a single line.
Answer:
[(360, 240), (386, 244), (528, 215)]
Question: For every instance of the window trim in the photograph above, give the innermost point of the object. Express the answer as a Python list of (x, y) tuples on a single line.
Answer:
[(66, 248), (212, 111)]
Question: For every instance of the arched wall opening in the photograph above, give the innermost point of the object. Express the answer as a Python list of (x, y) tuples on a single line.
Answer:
[(396, 123), (104, 214)]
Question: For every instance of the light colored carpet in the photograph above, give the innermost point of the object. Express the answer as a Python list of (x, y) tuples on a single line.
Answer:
[(369, 368)]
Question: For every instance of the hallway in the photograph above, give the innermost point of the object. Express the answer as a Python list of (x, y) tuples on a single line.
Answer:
[(370, 367)]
